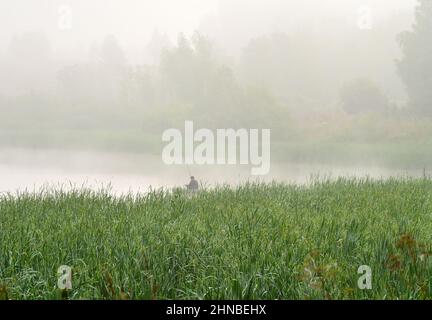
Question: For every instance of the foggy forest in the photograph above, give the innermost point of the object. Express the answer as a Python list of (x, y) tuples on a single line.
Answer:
[(340, 86)]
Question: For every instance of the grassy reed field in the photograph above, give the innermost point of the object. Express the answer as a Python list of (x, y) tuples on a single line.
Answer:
[(255, 241)]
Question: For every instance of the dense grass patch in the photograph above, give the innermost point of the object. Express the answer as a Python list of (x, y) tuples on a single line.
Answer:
[(254, 241)]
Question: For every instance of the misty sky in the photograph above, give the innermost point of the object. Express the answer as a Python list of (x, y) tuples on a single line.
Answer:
[(134, 21)]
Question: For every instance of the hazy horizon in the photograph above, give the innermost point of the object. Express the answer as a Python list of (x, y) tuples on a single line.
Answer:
[(134, 22), (108, 77)]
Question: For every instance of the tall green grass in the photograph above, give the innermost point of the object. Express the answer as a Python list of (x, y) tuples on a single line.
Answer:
[(255, 241)]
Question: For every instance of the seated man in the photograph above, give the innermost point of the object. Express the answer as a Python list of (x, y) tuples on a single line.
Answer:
[(193, 185)]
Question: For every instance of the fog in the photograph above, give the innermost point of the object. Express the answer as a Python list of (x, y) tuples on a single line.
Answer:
[(87, 88), (133, 21)]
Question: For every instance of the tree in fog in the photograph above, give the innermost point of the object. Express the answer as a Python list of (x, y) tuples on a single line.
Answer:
[(29, 67), (112, 54), (158, 43), (363, 96), (177, 69), (193, 74), (415, 68), (288, 66), (103, 80)]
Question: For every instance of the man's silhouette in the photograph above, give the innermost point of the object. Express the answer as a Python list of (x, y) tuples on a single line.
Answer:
[(193, 185)]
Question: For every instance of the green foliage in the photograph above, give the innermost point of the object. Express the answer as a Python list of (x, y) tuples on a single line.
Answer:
[(415, 66), (254, 241), (193, 74)]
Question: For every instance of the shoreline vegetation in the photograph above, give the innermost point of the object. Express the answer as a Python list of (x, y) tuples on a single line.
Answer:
[(415, 155), (252, 241), (392, 141)]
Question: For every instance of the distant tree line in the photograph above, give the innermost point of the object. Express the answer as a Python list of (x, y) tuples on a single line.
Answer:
[(192, 79)]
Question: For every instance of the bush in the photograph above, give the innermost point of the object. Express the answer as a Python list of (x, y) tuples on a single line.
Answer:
[(363, 96)]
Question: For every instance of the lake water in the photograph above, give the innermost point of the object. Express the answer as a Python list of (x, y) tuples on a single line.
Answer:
[(23, 169)]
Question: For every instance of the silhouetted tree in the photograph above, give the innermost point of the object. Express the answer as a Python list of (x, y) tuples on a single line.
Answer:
[(189, 70), (363, 96), (102, 81), (415, 68), (157, 44), (112, 54)]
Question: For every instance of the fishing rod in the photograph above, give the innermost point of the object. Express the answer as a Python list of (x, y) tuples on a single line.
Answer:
[(188, 169)]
